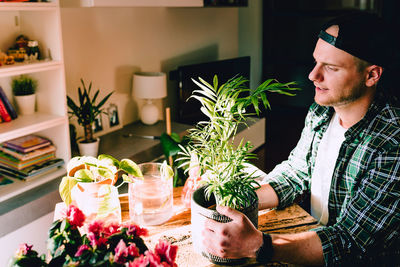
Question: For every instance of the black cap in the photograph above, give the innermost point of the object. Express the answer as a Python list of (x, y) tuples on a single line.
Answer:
[(363, 35)]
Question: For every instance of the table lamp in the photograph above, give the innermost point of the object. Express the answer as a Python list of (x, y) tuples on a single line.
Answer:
[(149, 86)]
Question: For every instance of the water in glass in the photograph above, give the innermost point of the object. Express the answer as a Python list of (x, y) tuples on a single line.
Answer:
[(150, 199)]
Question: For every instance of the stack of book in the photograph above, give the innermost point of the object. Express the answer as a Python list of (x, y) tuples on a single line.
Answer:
[(7, 111), (28, 156)]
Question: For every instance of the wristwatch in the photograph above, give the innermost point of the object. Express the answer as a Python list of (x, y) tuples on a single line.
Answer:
[(264, 253)]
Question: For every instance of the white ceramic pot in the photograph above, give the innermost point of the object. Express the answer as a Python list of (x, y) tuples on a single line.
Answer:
[(26, 104), (89, 149)]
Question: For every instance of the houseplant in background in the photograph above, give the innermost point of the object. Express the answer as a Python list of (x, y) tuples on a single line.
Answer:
[(86, 112), (227, 177), (24, 88)]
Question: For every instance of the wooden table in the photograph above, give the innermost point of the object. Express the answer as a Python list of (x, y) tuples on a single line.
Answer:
[(177, 230)]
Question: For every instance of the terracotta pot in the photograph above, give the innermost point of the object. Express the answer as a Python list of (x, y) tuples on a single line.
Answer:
[(200, 210), (98, 200)]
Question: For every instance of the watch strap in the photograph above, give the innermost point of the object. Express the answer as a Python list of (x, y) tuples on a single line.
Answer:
[(264, 253)]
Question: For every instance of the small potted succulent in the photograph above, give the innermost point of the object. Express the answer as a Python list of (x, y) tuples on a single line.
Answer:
[(227, 177), (24, 88), (86, 112)]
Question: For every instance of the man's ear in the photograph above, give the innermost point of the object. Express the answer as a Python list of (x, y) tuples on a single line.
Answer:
[(374, 73)]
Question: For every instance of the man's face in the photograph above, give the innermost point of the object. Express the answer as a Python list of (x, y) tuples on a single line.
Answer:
[(336, 77)]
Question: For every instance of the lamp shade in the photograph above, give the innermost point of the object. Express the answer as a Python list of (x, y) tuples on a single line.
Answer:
[(150, 85)]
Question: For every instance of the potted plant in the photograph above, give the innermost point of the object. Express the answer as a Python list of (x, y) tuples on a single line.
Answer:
[(89, 184), (227, 177), (24, 88), (86, 112), (75, 241)]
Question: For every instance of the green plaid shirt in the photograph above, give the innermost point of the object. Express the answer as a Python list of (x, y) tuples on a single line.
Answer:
[(364, 201)]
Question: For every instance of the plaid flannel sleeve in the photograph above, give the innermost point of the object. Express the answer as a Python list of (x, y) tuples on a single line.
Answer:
[(291, 178), (371, 218)]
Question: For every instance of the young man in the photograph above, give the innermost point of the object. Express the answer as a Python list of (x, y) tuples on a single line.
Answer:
[(348, 158)]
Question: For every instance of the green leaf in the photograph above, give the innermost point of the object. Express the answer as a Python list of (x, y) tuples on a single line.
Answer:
[(109, 160), (107, 193), (130, 167), (166, 171), (105, 173), (127, 178), (66, 185), (84, 175), (169, 145)]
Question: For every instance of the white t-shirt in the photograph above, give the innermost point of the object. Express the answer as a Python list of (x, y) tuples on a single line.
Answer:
[(325, 162)]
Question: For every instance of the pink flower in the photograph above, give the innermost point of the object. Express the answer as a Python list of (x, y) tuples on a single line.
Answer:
[(142, 261), (75, 216), (153, 258), (120, 253), (96, 241), (134, 230), (24, 249), (166, 252), (81, 249)]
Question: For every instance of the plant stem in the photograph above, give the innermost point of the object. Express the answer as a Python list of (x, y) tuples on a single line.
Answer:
[(88, 132)]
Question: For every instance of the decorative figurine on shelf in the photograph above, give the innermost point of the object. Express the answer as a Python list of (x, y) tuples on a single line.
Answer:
[(18, 50), (33, 50), (24, 49), (9, 60)]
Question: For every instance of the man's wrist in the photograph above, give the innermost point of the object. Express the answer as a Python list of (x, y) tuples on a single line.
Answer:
[(264, 253)]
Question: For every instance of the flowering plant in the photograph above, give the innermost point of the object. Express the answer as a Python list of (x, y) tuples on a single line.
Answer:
[(100, 245)]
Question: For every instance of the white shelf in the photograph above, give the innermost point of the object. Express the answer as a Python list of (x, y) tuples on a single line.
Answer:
[(21, 6), (26, 68), (20, 186), (131, 3), (28, 124)]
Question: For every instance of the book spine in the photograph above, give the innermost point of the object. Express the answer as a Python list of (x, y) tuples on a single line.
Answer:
[(7, 104), (4, 113), (25, 149), (29, 155)]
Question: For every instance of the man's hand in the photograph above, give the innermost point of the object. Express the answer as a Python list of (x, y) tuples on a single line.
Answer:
[(236, 239)]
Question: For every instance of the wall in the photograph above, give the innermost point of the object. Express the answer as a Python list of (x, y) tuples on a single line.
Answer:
[(107, 45), (34, 233), (250, 38)]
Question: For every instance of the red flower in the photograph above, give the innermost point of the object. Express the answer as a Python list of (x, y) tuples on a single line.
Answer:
[(166, 252), (133, 251), (142, 261), (75, 216), (95, 227), (81, 249), (120, 252), (111, 229), (153, 258)]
